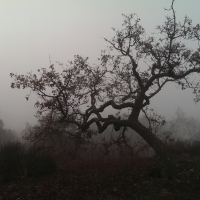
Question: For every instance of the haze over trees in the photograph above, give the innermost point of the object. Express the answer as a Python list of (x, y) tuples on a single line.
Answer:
[(6, 135), (183, 127), (131, 72)]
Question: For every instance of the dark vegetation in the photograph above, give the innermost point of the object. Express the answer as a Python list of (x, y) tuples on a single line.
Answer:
[(45, 171), (121, 178), (18, 161)]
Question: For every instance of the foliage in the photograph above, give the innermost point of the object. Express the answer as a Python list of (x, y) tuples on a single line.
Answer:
[(17, 161), (58, 138), (11, 156), (39, 162), (192, 148)]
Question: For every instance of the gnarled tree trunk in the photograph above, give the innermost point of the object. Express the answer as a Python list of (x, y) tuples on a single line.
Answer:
[(160, 148)]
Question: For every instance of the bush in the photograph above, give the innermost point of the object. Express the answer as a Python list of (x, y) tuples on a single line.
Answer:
[(16, 160), (11, 160), (190, 147), (39, 162), (193, 148)]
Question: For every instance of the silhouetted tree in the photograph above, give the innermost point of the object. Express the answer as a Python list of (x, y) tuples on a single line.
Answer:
[(122, 80)]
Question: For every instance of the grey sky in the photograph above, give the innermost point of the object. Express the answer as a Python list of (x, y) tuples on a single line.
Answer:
[(31, 30)]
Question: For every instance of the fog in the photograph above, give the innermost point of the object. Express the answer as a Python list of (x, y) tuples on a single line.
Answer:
[(35, 33)]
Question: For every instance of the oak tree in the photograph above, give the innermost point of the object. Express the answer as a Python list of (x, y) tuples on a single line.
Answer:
[(129, 74)]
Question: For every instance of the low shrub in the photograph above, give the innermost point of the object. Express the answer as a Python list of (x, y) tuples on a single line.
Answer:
[(193, 148), (180, 146), (39, 162), (11, 160), (17, 161)]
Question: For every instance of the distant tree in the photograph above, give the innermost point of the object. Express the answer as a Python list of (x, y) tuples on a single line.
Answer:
[(6, 134), (131, 72), (183, 127)]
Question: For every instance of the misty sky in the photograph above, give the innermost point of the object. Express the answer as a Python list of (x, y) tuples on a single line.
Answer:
[(32, 30)]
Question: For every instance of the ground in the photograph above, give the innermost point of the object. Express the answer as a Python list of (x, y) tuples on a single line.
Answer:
[(120, 179)]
